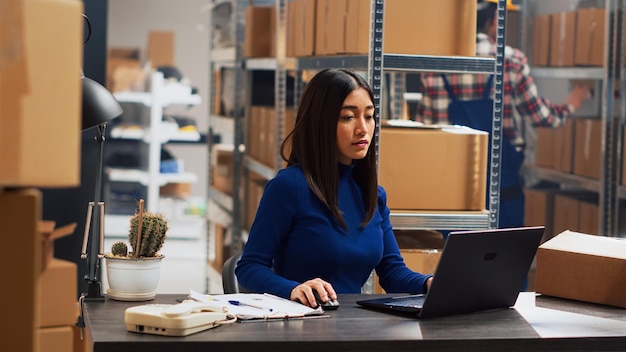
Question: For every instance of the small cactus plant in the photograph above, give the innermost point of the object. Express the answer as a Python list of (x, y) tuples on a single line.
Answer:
[(153, 230), (147, 234), (119, 249)]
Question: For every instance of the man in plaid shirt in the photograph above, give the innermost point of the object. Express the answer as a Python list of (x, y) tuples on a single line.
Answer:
[(520, 97)]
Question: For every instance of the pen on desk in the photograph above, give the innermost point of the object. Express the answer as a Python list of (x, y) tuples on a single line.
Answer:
[(239, 303)]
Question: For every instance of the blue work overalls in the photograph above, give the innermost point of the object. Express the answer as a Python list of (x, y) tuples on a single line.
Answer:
[(478, 114)]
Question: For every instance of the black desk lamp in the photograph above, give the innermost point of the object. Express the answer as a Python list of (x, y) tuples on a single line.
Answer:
[(99, 107)]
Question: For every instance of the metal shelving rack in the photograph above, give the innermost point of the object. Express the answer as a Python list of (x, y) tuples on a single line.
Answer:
[(376, 63), (613, 115)]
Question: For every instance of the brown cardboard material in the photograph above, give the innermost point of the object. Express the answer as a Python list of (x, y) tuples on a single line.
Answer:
[(583, 267), (20, 213), (55, 339), (48, 235), (564, 147), (329, 27), (544, 147), (590, 37), (258, 36), (566, 212), (451, 22), (420, 249), (539, 209), (176, 190), (57, 294), (304, 27), (223, 168), (40, 127), (589, 219), (161, 48), (587, 150), (541, 40), (124, 71), (562, 39), (290, 35), (433, 168)]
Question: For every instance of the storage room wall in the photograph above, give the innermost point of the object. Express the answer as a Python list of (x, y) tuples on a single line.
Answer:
[(128, 26)]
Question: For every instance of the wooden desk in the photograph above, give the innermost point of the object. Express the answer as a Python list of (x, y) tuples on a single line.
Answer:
[(549, 324)]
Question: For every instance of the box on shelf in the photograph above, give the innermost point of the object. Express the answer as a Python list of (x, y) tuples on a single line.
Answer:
[(343, 26), (541, 40), (223, 168), (124, 71), (590, 37), (260, 31), (433, 168), (40, 95), (421, 250), (304, 27), (160, 48), (563, 40), (539, 209), (554, 147), (588, 147), (583, 267), (176, 190)]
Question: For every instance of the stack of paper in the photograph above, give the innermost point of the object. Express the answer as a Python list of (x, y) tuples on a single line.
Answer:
[(247, 306)]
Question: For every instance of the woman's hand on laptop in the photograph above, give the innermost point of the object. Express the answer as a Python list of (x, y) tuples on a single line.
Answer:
[(303, 293)]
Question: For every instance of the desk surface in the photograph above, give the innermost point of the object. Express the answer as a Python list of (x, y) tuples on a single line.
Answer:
[(536, 323)]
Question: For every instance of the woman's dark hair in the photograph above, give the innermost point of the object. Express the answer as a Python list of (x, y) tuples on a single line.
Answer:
[(484, 16), (313, 140)]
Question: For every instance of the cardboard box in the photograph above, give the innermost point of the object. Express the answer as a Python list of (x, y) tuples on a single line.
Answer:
[(259, 31), (539, 209), (20, 213), (48, 235), (57, 295), (421, 250), (588, 148), (124, 71), (160, 48), (176, 190), (452, 21), (541, 40), (433, 168), (583, 267), (562, 39), (589, 217), (40, 95), (290, 35), (566, 211), (55, 339), (590, 37), (304, 27), (329, 27), (554, 147), (223, 168)]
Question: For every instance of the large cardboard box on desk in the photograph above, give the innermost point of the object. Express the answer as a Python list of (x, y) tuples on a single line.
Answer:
[(583, 267), (40, 93), (433, 168)]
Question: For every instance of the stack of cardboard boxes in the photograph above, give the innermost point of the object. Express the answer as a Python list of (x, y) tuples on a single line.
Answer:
[(41, 45)]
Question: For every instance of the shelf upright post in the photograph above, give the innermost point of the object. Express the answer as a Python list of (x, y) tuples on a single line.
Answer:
[(280, 79), (375, 77), (619, 125), (496, 130), (236, 241), (608, 173)]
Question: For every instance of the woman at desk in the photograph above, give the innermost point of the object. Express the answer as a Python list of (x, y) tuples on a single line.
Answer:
[(323, 221)]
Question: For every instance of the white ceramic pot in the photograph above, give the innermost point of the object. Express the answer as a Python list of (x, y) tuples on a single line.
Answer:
[(132, 279)]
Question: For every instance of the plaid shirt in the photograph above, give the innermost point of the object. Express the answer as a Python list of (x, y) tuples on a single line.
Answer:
[(520, 93)]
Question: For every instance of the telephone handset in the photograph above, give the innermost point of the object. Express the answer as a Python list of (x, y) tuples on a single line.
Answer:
[(180, 319)]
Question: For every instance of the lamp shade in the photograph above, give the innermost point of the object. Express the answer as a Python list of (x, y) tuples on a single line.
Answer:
[(99, 105)]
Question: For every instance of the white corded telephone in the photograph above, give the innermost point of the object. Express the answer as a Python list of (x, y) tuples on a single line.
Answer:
[(180, 319)]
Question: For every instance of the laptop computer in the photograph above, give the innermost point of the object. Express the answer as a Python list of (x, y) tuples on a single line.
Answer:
[(478, 270)]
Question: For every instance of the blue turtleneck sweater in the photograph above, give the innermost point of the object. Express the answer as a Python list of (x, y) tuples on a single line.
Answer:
[(295, 238)]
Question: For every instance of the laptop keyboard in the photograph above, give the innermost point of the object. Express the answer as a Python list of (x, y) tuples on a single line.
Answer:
[(417, 302)]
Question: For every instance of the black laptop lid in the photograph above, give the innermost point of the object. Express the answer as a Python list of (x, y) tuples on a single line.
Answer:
[(481, 270)]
